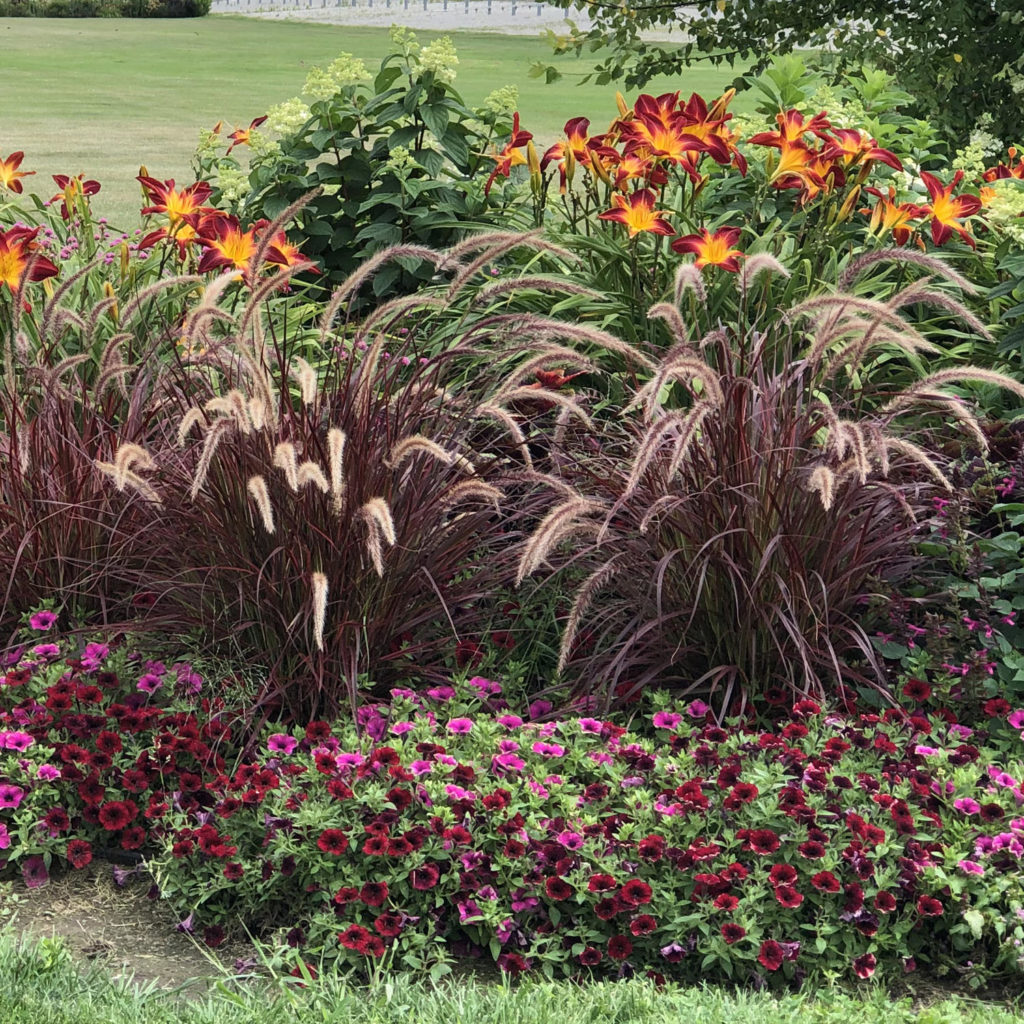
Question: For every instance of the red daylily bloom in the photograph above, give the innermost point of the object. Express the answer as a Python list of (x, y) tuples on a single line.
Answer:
[(9, 173), (177, 205), (948, 210), (71, 188), (637, 212), (240, 137), (226, 244), (712, 249), (286, 254), (792, 128), (510, 155), (854, 148), (888, 217), (20, 260)]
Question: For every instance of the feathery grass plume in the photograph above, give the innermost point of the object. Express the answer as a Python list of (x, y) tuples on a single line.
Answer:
[(257, 488), (549, 355), (957, 375), (394, 312), (759, 263), (408, 447), (920, 456), (279, 223), (565, 402), (879, 450), (117, 372), (122, 473), (551, 328), (865, 336), (688, 278), (685, 369), (535, 282), (897, 254), (258, 410), (492, 247), (488, 410), (336, 464), (585, 595), (52, 308), (188, 421), (144, 295), (311, 473), (92, 322), (920, 292), (468, 490), (832, 309), (564, 519), (285, 460), (319, 587), (216, 433), (379, 526), (679, 426), (952, 406), (858, 448), (251, 321), (307, 380), (231, 406), (671, 315)]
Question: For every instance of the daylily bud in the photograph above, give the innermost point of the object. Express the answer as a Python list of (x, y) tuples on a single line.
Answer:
[(108, 292), (848, 205), (125, 258), (570, 164), (620, 100), (533, 164), (599, 169), (717, 111)]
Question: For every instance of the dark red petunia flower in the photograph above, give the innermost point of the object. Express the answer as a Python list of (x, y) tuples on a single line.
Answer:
[(79, 853), (771, 955), (424, 877), (782, 874), (355, 937), (333, 841), (619, 947), (884, 902), (346, 894), (602, 883), (864, 965), (591, 957), (635, 892), (991, 812), (811, 850), (788, 896), (214, 936), (317, 732), (233, 871), (643, 925), (732, 932), (726, 901), (917, 690), (558, 889), (374, 894), (117, 814), (376, 846), (133, 838), (607, 909), (56, 819), (388, 924), (928, 906)]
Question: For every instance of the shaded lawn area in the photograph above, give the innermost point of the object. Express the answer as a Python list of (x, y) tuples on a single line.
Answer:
[(103, 96)]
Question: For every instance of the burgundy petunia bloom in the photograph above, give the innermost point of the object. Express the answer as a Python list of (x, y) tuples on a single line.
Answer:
[(732, 932), (606, 909), (214, 936), (374, 894), (233, 871), (635, 892), (79, 853), (811, 850), (602, 883), (864, 965), (424, 877), (117, 814), (388, 924), (619, 947), (558, 889), (885, 902), (788, 896), (643, 925), (928, 906), (726, 901), (355, 937), (591, 957), (771, 955), (782, 874)]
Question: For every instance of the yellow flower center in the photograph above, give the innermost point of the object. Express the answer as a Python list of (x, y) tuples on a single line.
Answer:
[(12, 264)]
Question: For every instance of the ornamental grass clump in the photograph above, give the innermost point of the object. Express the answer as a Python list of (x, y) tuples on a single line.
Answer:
[(765, 481), (341, 500)]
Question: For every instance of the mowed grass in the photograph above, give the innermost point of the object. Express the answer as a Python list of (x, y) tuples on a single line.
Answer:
[(103, 96), (42, 985)]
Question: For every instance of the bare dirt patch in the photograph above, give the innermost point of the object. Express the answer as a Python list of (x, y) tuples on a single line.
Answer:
[(120, 929)]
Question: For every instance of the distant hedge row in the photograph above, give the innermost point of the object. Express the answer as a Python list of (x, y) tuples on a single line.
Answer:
[(104, 8)]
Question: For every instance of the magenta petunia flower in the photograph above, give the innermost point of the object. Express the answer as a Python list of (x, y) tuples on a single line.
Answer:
[(34, 873), (47, 773), (590, 725), (460, 726), (697, 709), (11, 796), (485, 687), (966, 805), (970, 867), (509, 721), (667, 720), (282, 743), (548, 749), (570, 840), (1015, 719), (19, 741), (401, 728), (441, 693), (5, 838), (149, 683), (45, 651), (42, 620)]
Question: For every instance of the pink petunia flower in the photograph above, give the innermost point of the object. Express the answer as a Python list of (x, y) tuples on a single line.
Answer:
[(42, 620), (282, 743), (460, 726), (667, 720), (966, 805), (970, 867), (11, 796)]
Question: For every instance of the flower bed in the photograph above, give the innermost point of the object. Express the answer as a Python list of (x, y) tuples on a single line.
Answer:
[(818, 845)]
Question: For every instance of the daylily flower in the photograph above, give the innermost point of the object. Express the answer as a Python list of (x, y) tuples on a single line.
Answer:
[(177, 205), (226, 244), (1000, 171), (948, 210), (9, 173), (792, 128), (71, 189), (712, 249), (240, 137), (510, 155), (637, 212), (20, 261), (888, 217), (861, 150)]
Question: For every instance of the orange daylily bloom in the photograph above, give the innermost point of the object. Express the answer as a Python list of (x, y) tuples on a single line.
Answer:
[(1001, 170), (20, 260), (165, 198), (510, 155), (286, 254), (71, 188), (709, 126), (854, 148), (798, 166), (553, 379), (948, 210), (792, 128), (637, 212), (240, 137), (9, 173), (226, 244), (712, 249), (889, 217), (659, 130)]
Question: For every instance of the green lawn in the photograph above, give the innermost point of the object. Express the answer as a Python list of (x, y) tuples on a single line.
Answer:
[(104, 96)]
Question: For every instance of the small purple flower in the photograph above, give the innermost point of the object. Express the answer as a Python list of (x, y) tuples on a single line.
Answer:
[(149, 683), (5, 839), (509, 721), (401, 728), (966, 805), (46, 651), (19, 741), (548, 749), (697, 709), (570, 840), (441, 693), (189, 682), (487, 892), (667, 720), (485, 687), (472, 859), (47, 773), (468, 911), (282, 743), (520, 901), (460, 726), (421, 767), (33, 871), (507, 746), (11, 796), (970, 867), (540, 707), (592, 726), (505, 930), (94, 655), (187, 926), (42, 621), (673, 952)]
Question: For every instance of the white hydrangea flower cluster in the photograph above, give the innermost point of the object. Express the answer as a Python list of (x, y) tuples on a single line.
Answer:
[(233, 182), (981, 146), (288, 117), (210, 143), (1005, 208), (262, 145), (399, 162), (849, 113), (502, 101), (441, 58)]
